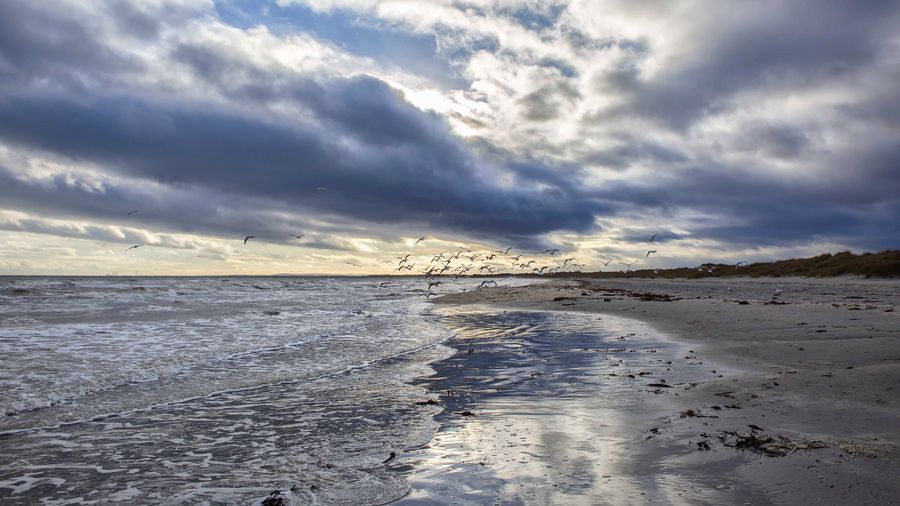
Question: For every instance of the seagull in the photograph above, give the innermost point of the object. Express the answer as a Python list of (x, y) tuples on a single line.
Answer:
[(129, 213), (248, 238), (321, 189), (653, 237), (505, 252), (653, 251), (488, 282), (629, 265), (384, 284), (552, 251), (540, 271), (135, 246), (427, 295), (297, 236), (606, 263), (387, 262), (567, 261), (420, 239), (404, 258), (740, 263), (433, 284)]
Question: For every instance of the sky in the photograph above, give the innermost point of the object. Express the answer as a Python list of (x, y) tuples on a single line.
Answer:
[(732, 130)]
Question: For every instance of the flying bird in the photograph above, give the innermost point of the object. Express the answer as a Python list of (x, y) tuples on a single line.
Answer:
[(566, 261), (384, 284), (552, 251), (420, 239), (740, 263), (606, 263), (651, 252), (653, 237), (133, 247), (321, 189), (248, 238), (129, 213), (297, 236)]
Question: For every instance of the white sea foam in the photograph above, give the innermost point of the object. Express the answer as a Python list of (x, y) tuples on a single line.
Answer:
[(243, 382)]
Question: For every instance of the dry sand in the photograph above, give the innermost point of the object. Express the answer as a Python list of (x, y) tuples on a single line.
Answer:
[(811, 372)]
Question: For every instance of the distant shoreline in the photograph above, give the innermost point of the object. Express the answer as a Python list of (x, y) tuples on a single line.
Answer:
[(884, 264)]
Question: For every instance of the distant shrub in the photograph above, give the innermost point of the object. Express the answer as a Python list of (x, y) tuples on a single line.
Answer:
[(884, 264)]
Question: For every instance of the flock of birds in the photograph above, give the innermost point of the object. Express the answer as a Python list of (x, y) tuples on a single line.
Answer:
[(467, 262)]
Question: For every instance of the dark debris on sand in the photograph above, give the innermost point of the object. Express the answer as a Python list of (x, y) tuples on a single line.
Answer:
[(770, 446), (274, 499)]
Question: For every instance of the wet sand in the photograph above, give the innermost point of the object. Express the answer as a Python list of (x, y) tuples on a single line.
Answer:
[(780, 391)]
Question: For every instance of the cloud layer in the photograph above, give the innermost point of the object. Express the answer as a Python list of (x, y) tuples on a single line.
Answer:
[(728, 125)]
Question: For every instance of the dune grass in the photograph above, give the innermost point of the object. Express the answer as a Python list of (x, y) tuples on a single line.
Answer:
[(884, 264)]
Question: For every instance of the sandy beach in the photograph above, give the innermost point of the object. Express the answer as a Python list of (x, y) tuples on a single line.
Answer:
[(777, 391)]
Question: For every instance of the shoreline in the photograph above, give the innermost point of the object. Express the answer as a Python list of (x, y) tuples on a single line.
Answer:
[(813, 366), (539, 406)]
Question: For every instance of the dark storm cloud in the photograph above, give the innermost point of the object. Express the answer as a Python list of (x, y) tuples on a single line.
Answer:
[(36, 41), (547, 102), (778, 141), (760, 211), (631, 150), (660, 236), (380, 158)]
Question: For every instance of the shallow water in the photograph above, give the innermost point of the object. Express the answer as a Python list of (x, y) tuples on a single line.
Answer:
[(556, 418), (187, 390)]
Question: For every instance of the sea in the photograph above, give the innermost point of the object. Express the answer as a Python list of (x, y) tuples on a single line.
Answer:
[(214, 390)]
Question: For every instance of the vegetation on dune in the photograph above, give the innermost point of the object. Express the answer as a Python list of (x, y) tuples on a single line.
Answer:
[(884, 264)]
